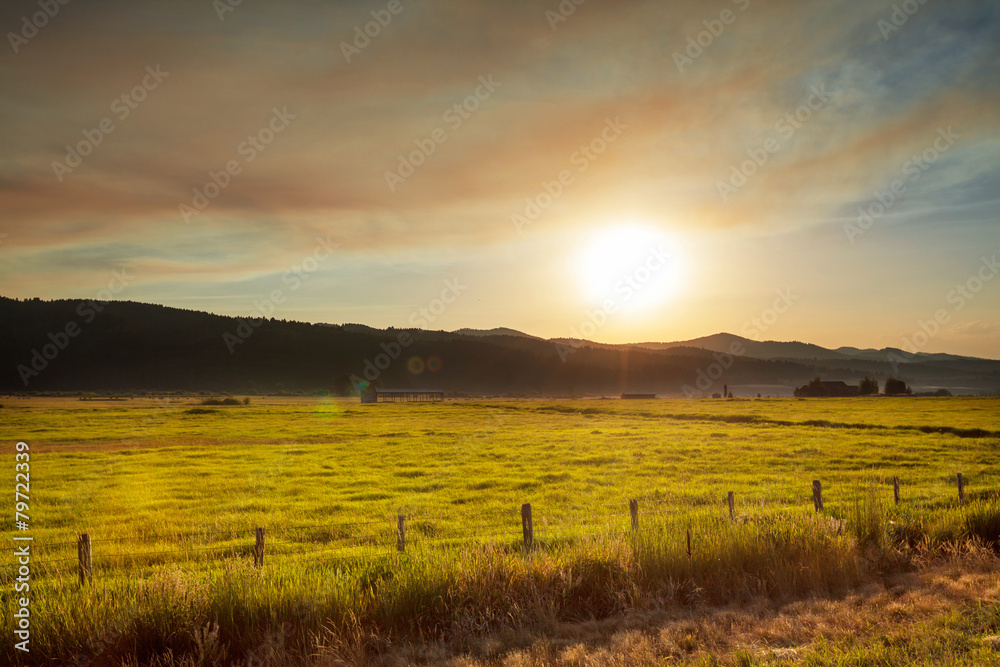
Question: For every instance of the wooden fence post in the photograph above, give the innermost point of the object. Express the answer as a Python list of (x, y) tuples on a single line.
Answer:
[(961, 488), (526, 526), (401, 533), (84, 556), (818, 495), (633, 509), (732, 506), (258, 549), (895, 489), (689, 543)]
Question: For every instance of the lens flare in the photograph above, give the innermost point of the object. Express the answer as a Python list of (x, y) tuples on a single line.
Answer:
[(415, 365)]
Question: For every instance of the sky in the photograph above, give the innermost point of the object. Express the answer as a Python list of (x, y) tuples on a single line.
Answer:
[(625, 171)]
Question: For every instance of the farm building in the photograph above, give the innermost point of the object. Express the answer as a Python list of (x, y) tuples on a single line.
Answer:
[(402, 396), (820, 388)]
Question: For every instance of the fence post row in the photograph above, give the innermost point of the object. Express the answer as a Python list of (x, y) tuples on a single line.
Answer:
[(84, 553), (818, 495), (258, 549), (526, 525)]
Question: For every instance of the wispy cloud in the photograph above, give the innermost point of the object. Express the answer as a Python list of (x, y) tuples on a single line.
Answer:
[(325, 173)]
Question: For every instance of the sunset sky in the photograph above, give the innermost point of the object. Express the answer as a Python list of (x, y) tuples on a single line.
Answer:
[(541, 169)]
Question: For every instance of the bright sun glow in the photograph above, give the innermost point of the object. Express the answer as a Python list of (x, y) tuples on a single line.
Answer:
[(636, 266)]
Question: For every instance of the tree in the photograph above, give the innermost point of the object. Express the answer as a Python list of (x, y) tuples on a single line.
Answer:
[(868, 386), (894, 387)]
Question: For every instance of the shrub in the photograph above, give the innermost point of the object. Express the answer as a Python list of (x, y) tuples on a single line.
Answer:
[(894, 387), (221, 401)]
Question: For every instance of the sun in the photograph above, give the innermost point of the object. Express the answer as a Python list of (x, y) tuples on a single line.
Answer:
[(633, 265)]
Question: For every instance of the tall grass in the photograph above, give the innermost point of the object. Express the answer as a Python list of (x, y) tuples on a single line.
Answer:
[(433, 593), (228, 610), (977, 520)]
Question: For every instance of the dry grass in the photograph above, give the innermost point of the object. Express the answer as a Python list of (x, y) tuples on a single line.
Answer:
[(910, 618), (945, 612)]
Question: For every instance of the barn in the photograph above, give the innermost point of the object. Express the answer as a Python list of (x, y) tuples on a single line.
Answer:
[(403, 396)]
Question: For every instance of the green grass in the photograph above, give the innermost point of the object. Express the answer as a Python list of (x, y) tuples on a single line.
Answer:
[(171, 495)]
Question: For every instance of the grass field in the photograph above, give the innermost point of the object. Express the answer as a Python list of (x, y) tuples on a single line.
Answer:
[(170, 492)]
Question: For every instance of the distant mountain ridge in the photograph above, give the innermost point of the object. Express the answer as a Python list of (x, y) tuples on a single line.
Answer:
[(770, 349), (498, 331), (723, 342), (127, 346)]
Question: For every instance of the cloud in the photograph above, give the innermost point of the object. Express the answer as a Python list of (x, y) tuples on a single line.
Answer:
[(325, 174), (977, 329)]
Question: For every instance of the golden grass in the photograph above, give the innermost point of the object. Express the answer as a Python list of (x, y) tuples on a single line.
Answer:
[(947, 612), (159, 488)]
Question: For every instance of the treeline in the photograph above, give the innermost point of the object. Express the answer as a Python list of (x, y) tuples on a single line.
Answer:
[(123, 346)]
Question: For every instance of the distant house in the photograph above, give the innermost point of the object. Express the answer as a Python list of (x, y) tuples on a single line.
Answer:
[(840, 388), (402, 396), (826, 388)]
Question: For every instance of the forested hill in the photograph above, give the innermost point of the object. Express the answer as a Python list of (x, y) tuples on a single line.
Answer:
[(124, 346)]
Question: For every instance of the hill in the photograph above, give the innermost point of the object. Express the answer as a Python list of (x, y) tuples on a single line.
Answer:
[(499, 331), (122, 346)]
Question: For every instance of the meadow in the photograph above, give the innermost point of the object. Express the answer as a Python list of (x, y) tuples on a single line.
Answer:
[(170, 492)]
